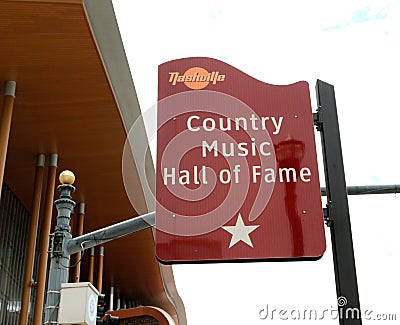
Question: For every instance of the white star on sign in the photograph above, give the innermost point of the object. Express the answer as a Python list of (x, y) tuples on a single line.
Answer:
[(240, 232)]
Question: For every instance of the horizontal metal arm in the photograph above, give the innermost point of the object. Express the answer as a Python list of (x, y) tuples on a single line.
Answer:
[(148, 220), (112, 232), (369, 189)]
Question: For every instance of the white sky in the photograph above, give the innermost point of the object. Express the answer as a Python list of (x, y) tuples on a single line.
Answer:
[(353, 45)]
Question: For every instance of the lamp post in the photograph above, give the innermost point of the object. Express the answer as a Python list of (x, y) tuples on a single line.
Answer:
[(63, 245), (59, 263)]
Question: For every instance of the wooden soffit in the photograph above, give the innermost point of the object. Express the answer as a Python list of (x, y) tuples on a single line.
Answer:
[(75, 97)]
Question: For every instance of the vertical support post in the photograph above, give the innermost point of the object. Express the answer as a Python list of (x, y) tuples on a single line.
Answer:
[(44, 243), (338, 209), (111, 305), (30, 251), (5, 125), (91, 266), (81, 218), (118, 303), (100, 272), (59, 263)]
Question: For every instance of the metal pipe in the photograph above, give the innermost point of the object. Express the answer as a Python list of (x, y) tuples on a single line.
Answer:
[(81, 218), (44, 247), (112, 232), (5, 125), (100, 271), (91, 266), (368, 189)]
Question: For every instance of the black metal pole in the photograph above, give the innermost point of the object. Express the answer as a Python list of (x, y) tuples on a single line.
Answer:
[(369, 189), (326, 120)]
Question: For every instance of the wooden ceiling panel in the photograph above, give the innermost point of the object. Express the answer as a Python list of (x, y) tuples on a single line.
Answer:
[(65, 104)]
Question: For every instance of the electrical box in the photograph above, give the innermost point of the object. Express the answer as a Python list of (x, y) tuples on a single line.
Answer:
[(78, 304)]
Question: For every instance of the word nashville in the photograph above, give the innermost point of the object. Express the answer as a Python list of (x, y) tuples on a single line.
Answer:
[(212, 77), (209, 149)]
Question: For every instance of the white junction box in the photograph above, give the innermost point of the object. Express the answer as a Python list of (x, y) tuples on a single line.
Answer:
[(78, 304)]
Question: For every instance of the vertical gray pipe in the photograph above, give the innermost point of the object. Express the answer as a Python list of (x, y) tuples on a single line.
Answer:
[(111, 298)]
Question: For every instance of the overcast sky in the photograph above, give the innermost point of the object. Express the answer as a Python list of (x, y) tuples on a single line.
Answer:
[(353, 45)]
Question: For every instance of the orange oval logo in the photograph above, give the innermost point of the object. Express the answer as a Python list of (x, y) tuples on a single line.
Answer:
[(197, 78)]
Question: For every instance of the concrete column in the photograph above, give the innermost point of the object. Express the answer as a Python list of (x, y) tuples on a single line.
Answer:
[(5, 125), (78, 256), (30, 252), (44, 246)]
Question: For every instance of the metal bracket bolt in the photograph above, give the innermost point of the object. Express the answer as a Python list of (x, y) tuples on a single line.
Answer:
[(328, 215), (317, 121)]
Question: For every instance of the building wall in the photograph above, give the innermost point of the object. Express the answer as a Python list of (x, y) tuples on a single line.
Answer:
[(14, 226)]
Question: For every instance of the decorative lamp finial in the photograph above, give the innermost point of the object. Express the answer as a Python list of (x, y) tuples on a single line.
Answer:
[(67, 177)]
